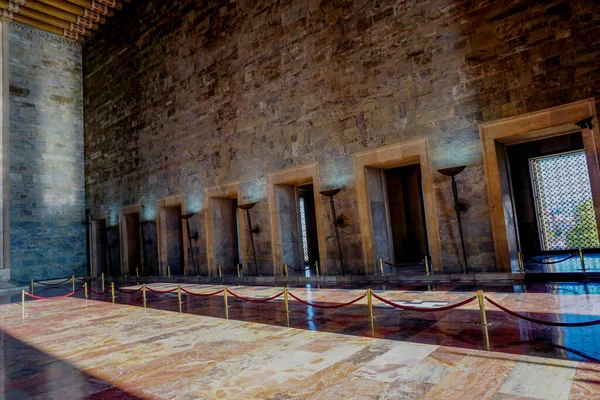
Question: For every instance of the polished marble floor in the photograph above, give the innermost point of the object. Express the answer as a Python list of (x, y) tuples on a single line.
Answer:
[(77, 349)]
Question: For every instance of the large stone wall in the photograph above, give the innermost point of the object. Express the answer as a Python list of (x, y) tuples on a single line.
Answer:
[(47, 196), (182, 95)]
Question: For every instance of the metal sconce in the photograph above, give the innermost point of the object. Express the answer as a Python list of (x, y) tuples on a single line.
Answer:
[(458, 207), (336, 222), (247, 207)]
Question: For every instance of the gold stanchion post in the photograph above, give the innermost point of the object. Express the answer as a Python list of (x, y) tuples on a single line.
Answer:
[(103, 281), (238, 270), (23, 302), (285, 267), (285, 299), (381, 266), (32, 286), (137, 272), (144, 293), (85, 290), (169, 270), (112, 291), (582, 262), (179, 296), (225, 301), (482, 308), (427, 269), (370, 303), (220, 273), (73, 280), (520, 259), (317, 267)]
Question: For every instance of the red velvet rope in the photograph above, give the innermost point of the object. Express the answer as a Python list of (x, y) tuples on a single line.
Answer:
[(160, 291), (254, 300), (332, 306), (223, 269), (430, 309), (33, 296), (202, 294), (127, 291), (539, 321)]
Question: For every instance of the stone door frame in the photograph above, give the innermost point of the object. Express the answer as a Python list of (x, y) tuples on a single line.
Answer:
[(302, 175), (177, 200), (123, 229), (393, 156), (228, 191), (579, 116)]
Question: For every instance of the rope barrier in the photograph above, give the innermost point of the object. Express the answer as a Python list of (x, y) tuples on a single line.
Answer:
[(99, 293), (160, 291), (202, 294), (424, 309), (550, 262), (127, 291), (229, 270), (539, 321), (33, 296), (254, 300), (326, 307), (86, 279), (53, 284), (420, 263)]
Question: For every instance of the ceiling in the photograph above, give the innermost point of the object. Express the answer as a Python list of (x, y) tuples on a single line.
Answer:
[(72, 19)]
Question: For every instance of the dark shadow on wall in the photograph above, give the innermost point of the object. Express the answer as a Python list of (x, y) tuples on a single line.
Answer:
[(47, 195)]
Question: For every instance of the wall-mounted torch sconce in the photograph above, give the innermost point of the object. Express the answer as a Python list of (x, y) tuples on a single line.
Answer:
[(253, 231), (458, 207), (187, 217), (336, 222)]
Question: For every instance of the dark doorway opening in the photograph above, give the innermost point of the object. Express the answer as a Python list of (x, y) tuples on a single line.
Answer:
[(134, 243), (550, 196), (406, 213), (308, 224), (99, 256), (174, 240), (113, 250)]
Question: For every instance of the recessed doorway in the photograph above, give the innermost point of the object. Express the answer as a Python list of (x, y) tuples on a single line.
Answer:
[(99, 249), (226, 230), (171, 236), (396, 206), (297, 231), (552, 195), (131, 241)]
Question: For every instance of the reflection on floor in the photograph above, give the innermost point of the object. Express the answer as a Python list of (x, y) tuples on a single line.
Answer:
[(564, 262), (329, 354)]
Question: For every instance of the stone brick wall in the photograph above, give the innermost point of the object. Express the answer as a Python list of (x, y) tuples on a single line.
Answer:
[(47, 196), (181, 95)]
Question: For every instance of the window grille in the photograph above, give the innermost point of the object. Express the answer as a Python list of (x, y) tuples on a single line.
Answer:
[(302, 206), (563, 200)]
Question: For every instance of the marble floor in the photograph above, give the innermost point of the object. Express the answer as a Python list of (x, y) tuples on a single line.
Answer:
[(76, 348)]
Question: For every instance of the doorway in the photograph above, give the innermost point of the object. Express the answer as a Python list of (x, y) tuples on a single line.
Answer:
[(293, 197), (99, 256), (172, 242), (225, 235), (131, 242), (174, 239), (406, 214), (552, 195)]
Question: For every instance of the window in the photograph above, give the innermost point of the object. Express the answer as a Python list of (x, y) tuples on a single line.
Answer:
[(563, 200), (302, 206)]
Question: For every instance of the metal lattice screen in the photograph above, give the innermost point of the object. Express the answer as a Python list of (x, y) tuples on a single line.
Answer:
[(302, 205), (563, 199)]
